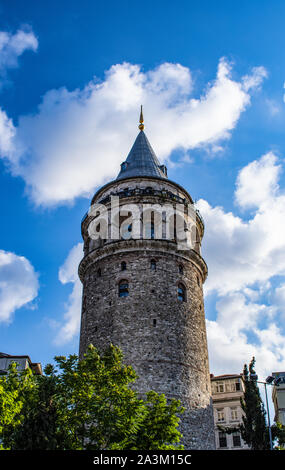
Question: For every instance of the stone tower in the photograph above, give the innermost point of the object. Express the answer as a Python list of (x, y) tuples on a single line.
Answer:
[(143, 285)]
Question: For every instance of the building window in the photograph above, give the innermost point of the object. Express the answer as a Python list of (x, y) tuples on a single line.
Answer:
[(149, 230), (123, 266), (126, 191), (219, 387), (234, 414), (237, 386), (231, 387), (126, 231), (181, 293), (123, 288), (222, 439), (99, 272), (221, 415), (153, 265), (124, 166), (228, 387), (236, 439), (154, 322), (180, 269)]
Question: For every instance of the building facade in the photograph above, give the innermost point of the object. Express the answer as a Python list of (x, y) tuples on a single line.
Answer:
[(143, 286), (23, 362), (227, 390), (278, 397)]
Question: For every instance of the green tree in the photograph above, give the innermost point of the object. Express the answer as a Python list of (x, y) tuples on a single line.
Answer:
[(14, 386), (91, 404), (278, 433), (159, 425), (253, 428), (38, 427)]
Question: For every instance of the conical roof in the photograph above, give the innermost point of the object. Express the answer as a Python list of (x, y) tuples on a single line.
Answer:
[(142, 161)]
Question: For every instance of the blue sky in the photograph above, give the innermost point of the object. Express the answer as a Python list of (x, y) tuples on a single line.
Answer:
[(211, 78)]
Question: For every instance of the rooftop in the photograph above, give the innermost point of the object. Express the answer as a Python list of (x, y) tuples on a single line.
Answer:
[(225, 376), (142, 160), (35, 366)]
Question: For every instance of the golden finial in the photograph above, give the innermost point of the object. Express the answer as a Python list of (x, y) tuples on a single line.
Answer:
[(141, 126)]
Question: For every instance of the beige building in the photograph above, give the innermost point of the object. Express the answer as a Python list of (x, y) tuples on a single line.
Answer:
[(23, 362), (226, 393), (278, 397)]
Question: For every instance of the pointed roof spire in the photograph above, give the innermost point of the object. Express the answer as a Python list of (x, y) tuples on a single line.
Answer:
[(141, 126), (142, 160)]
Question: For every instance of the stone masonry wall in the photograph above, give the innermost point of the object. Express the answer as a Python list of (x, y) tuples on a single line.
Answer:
[(163, 338)]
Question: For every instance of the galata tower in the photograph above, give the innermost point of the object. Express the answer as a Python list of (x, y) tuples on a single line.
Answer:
[(143, 275)]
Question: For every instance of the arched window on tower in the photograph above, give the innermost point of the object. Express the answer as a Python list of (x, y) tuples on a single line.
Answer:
[(123, 266), (126, 231), (153, 265), (180, 269), (181, 292), (149, 231), (123, 288)]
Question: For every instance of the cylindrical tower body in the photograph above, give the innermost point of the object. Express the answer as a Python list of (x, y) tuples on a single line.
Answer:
[(144, 293)]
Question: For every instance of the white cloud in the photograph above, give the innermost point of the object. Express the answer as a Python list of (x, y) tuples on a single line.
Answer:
[(18, 284), (243, 252), (7, 133), (241, 330), (77, 139), (257, 183), (68, 274), (255, 79), (278, 298), (14, 45), (228, 353), (242, 317), (273, 106), (244, 255)]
